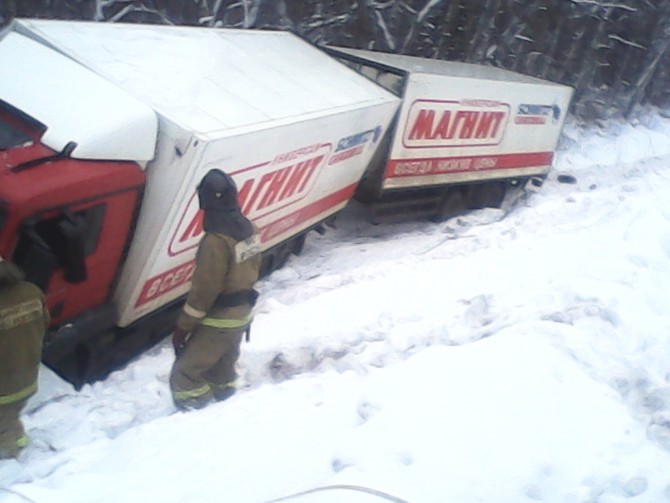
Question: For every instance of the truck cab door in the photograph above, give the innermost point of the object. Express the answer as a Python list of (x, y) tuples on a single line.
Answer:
[(59, 241), (73, 253)]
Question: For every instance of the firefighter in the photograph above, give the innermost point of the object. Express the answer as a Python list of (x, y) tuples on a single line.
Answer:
[(23, 321), (218, 309)]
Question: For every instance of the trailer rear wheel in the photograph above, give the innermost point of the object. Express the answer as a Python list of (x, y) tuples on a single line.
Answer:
[(85, 362), (452, 204), (486, 195), (276, 257)]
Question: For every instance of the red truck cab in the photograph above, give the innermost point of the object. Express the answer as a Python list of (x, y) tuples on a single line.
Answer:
[(65, 222), (72, 154)]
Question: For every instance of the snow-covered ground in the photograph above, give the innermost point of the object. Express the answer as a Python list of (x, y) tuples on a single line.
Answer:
[(497, 357)]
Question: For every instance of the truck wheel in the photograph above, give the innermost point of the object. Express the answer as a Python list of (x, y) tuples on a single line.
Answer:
[(77, 366), (298, 243), (451, 205), (277, 257), (486, 195)]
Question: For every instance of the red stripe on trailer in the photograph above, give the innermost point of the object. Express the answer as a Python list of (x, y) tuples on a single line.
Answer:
[(400, 168), (305, 213)]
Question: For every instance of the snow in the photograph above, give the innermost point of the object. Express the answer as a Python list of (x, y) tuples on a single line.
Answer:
[(512, 355)]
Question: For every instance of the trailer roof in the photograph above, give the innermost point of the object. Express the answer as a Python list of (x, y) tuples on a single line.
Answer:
[(212, 80), (412, 64)]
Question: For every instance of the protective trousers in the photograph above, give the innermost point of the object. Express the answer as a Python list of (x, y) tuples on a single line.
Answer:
[(205, 370), (12, 435)]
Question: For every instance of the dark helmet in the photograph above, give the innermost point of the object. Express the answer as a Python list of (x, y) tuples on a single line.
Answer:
[(217, 195), (217, 192)]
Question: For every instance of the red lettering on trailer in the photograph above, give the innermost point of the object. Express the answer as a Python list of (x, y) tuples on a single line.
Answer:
[(435, 124), (531, 119), (278, 185), (345, 154), (289, 222), (262, 189), (189, 229), (165, 282), (488, 124), (294, 154), (465, 125), (194, 228), (281, 183), (398, 168)]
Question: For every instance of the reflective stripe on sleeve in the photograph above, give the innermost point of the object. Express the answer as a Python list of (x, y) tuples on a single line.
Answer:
[(20, 314), (193, 312), (19, 395), (226, 322)]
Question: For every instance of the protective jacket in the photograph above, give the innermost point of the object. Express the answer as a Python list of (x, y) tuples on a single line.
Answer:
[(221, 294), (23, 320)]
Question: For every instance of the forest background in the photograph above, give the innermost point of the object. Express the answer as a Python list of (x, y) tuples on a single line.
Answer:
[(616, 54)]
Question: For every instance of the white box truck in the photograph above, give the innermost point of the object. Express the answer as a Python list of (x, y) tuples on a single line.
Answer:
[(464, 133), (106, 130)]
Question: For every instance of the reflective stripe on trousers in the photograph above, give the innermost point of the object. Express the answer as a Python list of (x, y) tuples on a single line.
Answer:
[(226, 322), (201, 391), (19, 395)]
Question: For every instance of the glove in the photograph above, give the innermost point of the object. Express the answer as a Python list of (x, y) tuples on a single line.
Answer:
[(179, 339)]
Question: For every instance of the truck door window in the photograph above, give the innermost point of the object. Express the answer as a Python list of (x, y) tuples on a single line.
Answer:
[(60, 241)]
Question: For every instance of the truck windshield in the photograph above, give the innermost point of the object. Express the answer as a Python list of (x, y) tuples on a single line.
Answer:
[(11, 137), (15, 127)]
